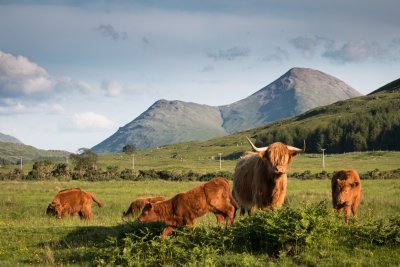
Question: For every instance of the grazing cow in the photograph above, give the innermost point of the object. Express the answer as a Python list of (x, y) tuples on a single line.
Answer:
[(70, 201), (184, 208), (260, 177), (346, 193), (137, 205)]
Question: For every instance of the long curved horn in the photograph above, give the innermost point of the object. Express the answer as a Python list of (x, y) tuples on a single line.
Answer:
[(292, 148), (257, 149)]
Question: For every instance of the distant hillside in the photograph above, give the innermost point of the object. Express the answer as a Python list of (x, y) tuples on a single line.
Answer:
[(9, 139), (167, 122), (12, 153), (389, 88), (364, 123)]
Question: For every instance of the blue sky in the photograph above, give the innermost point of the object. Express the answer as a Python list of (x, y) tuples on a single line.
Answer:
[(72, 72)]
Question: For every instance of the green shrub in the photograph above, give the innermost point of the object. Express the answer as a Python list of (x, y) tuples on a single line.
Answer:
[(266, 232), (383, 232), (211, 175)]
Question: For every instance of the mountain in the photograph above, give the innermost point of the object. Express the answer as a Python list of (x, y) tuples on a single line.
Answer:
[(295, 92), (167, 122), (9, 139)]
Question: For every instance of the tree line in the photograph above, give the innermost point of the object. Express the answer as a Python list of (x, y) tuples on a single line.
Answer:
[(376, 129)]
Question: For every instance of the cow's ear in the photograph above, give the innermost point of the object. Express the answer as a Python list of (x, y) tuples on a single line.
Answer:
[(263, 154)]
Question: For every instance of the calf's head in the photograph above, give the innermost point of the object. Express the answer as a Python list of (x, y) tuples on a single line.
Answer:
[(344, 190), (148, 213), (54, 209)]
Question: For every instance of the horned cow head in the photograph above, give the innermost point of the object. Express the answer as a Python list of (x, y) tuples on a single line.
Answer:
[(278, 155)]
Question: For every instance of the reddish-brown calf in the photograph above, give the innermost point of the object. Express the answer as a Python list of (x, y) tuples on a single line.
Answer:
[(184, 208), (346, 193), (71, 201), (137, 205)]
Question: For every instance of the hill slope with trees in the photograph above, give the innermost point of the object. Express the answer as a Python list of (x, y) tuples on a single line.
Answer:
[(364, 123)]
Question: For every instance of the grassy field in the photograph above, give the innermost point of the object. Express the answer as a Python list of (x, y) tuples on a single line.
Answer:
[(28, 236)]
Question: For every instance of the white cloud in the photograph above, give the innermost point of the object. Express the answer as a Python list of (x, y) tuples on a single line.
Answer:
[(107, 30), (90, 121), (112, 87), (230, 54), (19, 76), (26, 87), (66, 83), (358, 51), (9, 106), (353, 51)]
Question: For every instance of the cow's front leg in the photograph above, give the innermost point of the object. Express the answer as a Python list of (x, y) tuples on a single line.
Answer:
[(348, 214), (340, 214), (168, 230), (354, 209)]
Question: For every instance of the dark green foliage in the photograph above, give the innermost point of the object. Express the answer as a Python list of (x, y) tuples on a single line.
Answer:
[(382, 233), (284, 229), (308, 175), (15, 174), (85, 163), (41, 170), (4, 162), (61, 170), (274, 235), (211, 175), (269, 232), (129, 149)]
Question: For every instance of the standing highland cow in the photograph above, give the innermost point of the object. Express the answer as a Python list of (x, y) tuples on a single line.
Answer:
[(260, 177), (346, 193)]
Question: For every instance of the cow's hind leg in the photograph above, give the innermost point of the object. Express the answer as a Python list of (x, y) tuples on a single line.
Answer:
[(86, 212), (220, 217), (228, 214)]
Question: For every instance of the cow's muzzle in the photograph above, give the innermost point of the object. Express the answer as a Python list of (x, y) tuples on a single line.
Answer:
[(279, 170)]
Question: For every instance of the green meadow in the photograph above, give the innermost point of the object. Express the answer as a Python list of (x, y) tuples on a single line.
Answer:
[(305, 232), (28, 236)]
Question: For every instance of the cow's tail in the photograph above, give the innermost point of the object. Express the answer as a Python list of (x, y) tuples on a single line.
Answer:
[(98, 202), (234, 203)]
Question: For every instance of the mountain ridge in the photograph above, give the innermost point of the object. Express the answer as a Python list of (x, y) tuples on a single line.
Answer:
[(166, 122), (5, 138)]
